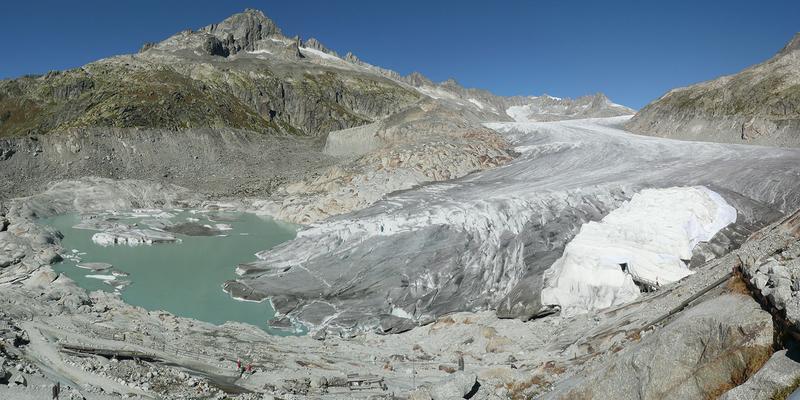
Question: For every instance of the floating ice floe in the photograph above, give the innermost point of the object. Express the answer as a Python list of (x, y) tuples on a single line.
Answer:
[(645, 243), (148, 213), (132, 237), (113, 280), (223, 227), (95, 266), (102, 277)]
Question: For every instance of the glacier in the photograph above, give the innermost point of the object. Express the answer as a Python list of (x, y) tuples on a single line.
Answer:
[(484, 242)]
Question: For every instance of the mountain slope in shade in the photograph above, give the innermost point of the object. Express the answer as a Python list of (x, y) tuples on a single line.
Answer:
[(760, 105)]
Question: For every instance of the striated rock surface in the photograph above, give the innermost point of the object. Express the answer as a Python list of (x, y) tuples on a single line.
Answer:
[(760, 105)]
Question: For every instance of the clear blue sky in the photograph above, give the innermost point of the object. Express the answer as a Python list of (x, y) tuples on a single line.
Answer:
[(633, 51)]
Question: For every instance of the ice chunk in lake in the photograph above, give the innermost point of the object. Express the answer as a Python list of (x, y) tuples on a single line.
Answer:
[(95, 266), (223, 227), (643, 243), (102, 277), (132, 237)]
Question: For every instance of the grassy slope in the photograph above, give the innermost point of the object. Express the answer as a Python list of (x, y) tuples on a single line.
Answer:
[(158, 96)]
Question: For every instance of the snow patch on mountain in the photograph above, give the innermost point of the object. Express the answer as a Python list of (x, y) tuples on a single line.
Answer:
[(520, 113), (646, 242), (438, 93), (318, 53), (477, 103)]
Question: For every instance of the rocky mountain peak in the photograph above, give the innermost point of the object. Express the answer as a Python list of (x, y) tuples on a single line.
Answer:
[(416, 79), (600, 98), (240, 31), (315, 44), (451, 82), (352, 58), (793, 45)]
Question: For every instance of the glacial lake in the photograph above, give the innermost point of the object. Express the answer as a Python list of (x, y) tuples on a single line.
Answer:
[(183, 278)]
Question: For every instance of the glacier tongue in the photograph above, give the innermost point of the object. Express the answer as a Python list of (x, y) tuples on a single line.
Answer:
[(484, 241), (644, 241)]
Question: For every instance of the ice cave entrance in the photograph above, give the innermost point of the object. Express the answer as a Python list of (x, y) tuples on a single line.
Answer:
[(183, 276)]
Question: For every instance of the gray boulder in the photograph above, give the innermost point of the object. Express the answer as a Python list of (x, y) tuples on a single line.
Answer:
[(18, 379), (778, 373), (460, 385), (5, 376)]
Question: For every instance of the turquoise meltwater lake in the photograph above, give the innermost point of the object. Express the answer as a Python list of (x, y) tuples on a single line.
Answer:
[(183, 278)]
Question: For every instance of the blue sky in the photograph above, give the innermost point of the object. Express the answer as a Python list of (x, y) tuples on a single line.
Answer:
[(633, 51)]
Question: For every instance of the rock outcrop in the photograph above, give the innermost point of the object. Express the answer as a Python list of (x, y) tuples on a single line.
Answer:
[(760, 105), (701, 354), (240, 32), (774, 273)]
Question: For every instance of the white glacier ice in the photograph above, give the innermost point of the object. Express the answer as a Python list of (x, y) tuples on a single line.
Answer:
[(645, 240)]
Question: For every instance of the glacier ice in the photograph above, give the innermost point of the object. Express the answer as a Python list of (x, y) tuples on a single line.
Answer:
[(644, 241)]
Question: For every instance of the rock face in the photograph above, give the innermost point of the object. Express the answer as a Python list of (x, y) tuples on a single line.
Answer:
[(241, 31), (699, 355), (223, 160), (775, 276), (760, 105)]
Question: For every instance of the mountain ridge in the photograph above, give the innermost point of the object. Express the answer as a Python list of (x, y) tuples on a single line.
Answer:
[(241, 73), (759, 105)]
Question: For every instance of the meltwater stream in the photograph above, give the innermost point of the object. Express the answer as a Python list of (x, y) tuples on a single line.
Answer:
[(183, 278)]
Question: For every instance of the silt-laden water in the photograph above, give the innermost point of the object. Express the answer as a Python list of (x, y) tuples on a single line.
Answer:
[(183, 278)]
